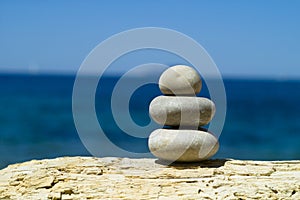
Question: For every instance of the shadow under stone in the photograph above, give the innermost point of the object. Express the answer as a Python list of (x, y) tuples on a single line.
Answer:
[(215, 163)]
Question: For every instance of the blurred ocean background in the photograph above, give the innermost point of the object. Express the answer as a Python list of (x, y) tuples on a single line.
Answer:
[(36, 119), (255, 45)]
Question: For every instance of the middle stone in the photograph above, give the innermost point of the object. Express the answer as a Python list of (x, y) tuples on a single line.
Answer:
[(182, 110)]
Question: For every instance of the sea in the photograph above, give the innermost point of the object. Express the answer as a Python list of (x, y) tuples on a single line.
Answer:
[(36, 119)]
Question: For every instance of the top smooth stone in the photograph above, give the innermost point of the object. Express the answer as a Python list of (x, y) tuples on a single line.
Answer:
[(180, 80)]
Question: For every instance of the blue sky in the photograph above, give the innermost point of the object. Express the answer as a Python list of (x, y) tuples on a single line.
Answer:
[(244, 38)]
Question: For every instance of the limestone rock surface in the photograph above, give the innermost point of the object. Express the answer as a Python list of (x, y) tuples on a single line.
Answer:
[(124, 178)]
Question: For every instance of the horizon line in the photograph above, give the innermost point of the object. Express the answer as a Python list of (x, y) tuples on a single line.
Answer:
[(72, 73)]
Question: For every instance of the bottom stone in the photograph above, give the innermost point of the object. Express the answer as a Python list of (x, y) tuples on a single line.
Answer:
[(182, 145)]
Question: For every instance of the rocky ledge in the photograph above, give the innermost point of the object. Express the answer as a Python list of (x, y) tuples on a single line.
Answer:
[(123, 178)]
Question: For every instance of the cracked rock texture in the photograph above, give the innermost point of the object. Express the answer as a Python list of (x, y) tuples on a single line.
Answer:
[(123, 178)]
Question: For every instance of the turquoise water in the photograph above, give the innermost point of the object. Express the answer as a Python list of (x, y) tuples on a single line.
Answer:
[(36, 119)]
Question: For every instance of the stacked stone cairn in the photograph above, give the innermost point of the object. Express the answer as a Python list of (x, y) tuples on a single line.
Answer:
[(182, 113)]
